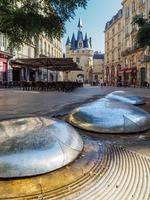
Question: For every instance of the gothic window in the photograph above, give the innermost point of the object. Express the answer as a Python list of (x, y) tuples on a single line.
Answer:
[(29, 51), (41, 46), (45, 48), (80, 44), (49, 50)]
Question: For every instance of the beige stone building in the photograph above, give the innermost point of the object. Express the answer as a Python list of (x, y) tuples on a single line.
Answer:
[(113, 48), (98, 67), (134, 59), (80, 49), (41, 47), (133, 65)]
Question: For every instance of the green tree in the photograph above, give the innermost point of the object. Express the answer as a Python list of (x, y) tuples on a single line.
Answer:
[(21, 20), (143, 35)]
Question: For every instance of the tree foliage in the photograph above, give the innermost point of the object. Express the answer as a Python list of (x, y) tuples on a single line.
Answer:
[(21, 20), (143, 35)]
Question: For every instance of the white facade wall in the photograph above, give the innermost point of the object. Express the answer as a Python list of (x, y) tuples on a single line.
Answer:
[(84, 58)]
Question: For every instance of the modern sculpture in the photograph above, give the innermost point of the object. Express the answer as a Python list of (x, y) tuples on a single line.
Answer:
[(33, 146), (126, 97), (109, 116)]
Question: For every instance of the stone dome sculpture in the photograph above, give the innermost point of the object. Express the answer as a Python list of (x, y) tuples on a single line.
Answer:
[(126, 97), (109, 116), (33, 146)]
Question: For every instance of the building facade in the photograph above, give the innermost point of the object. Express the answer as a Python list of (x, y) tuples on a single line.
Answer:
[(113, 49), (41, 47), (134, 65), (135, 72), (80, 49), (98, 67)]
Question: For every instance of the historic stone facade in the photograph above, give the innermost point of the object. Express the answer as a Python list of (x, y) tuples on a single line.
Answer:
[(98, 67), (113, 48), (40, 47), (134, 64), (135, 72), (80, 49)]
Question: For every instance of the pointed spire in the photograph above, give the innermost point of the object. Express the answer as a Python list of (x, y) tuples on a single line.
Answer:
[(86, 41), (90, 41), (86, 36), (68, 41), (80, 25), (80, 36), (73, 42)]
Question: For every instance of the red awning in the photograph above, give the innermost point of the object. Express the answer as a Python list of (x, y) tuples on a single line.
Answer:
[(128, 70), (120, 72), (125, 70)]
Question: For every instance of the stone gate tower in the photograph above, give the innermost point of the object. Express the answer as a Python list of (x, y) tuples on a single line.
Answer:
[(80, 49)]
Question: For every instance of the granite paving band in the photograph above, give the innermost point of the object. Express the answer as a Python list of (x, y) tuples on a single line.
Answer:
[(113, 173)]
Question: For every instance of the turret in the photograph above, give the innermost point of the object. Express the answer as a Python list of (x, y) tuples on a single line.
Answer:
[(73, 42), (90, 41), (80, 40), (68, 44), (86, 42)]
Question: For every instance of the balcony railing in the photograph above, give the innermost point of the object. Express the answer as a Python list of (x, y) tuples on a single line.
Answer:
[(145, 59), (130, 50)]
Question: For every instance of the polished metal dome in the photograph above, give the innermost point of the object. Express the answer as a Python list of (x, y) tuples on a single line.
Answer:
[(126, 97), (33, 146), (109, 116)]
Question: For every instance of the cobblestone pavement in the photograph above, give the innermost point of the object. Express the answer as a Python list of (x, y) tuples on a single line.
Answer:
[(17, 103)]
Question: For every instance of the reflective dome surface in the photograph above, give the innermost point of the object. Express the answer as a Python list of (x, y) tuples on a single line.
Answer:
[(33, 146), (126, 97), (109, 116)]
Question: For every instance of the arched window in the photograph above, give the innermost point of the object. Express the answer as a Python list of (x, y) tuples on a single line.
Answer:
[(45, 48)]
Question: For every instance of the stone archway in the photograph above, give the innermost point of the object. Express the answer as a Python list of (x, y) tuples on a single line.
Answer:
[(80, 78), (51, 77)]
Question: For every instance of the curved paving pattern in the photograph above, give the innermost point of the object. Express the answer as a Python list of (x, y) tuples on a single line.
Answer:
[(113, 174), (121, 175)]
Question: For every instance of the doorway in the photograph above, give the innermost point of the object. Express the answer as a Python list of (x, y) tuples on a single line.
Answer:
[(143, 77), (16, 75), (4, 72)]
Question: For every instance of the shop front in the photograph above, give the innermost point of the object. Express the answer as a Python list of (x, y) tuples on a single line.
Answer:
[(128, 76), (107, 76), (3, 69), (113, 76), (134, 80), (120, 77), (143, 76)]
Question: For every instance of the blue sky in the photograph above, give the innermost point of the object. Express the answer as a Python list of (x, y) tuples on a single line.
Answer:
[(94, 18)]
